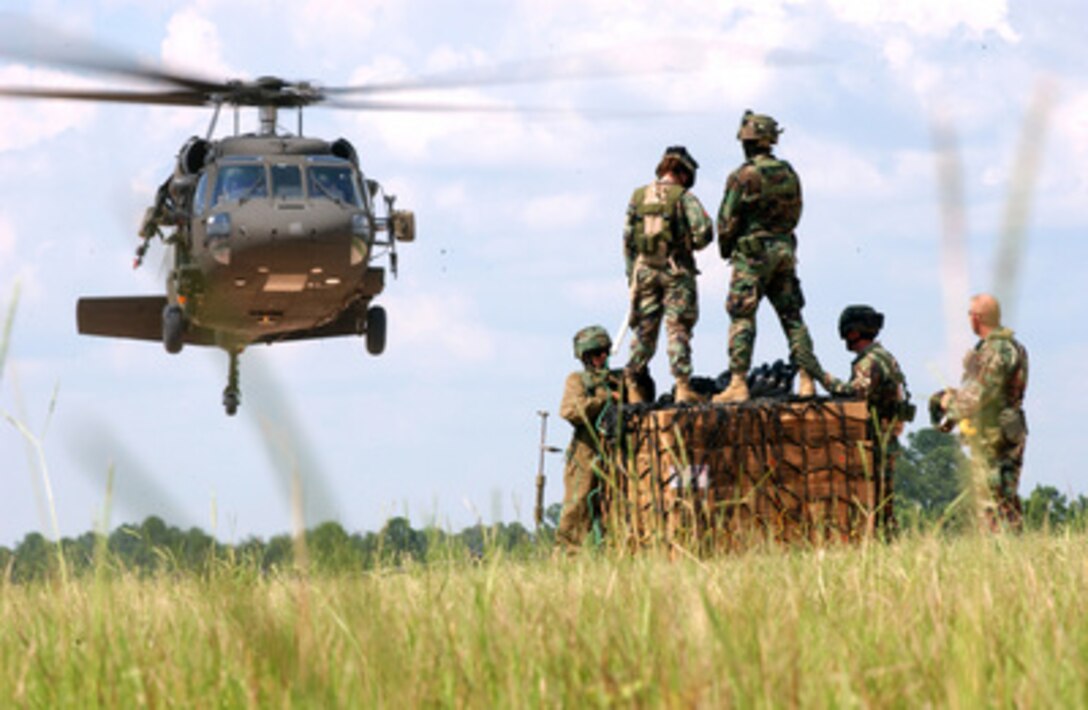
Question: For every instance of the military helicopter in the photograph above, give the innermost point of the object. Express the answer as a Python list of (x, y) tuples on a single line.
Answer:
[(275, 237)]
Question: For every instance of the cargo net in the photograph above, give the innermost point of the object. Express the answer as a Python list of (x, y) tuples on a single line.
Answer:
[(715, 477)]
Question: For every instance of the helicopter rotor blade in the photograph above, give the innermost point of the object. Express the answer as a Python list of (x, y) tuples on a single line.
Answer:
[(24, 39), (485, 108), (167, 98), (953, 245), (663, 57), (1018, 205)]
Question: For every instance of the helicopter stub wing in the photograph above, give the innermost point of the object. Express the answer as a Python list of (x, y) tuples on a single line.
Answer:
[(135, 317)]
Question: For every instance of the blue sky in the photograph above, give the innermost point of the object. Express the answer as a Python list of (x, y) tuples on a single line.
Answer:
[(519, 220)]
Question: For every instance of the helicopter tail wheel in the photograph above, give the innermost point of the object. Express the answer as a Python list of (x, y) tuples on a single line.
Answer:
[(173, 329), (232, 396), (375, 330)]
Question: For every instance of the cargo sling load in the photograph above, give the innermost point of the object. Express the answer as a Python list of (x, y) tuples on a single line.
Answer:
[(721, 477)]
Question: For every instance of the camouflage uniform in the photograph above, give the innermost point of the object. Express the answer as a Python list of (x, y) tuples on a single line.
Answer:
[(759, 211), (665, 225), (585, 396), (876, 377), (990, 402)]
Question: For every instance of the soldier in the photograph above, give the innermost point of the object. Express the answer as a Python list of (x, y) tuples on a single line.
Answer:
[(665, 225), (585, 396), (759, 211), (875, 376), (988, 406)]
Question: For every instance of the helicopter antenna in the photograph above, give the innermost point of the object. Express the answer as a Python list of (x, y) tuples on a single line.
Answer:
[(299, 121), (235, 119)]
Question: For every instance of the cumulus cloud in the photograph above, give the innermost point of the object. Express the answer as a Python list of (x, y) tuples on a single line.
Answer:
[(557, 211), (24, 124), (192, 44), (445, 326), (930, 18)]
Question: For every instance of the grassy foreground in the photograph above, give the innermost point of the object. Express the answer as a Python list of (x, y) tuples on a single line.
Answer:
[(963, 623)]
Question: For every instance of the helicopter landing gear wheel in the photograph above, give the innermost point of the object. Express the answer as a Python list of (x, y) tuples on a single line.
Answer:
[(375, 330), (173, 329), (232, 395)]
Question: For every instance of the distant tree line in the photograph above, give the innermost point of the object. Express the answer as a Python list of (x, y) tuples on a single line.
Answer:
[(153, 547), (928, 484)]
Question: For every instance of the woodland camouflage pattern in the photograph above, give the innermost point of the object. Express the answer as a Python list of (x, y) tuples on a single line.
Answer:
[(991, 399), (585, 396), (665, 225), (876, 377), (759, 211)]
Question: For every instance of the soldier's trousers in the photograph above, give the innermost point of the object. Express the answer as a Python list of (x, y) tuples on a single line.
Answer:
[(1004, 461), (580, 495), (662, 292), (769, 273)]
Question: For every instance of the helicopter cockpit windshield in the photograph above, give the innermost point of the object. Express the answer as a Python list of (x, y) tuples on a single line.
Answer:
[(334, 182), (240, 182)]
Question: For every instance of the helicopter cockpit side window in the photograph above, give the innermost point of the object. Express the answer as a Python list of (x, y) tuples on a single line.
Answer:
[(334, 182), (240, 182), (286, 182), (200, 195)]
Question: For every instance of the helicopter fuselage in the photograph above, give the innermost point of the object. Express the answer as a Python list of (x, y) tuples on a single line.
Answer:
[(278, 240)]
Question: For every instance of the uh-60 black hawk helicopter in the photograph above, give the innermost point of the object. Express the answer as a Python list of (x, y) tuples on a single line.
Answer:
[(275, 236)]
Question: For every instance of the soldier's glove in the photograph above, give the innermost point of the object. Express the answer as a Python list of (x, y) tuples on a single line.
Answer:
[(936, 408)]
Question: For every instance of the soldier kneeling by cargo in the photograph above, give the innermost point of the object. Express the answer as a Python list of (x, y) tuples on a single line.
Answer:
[(876, 377), (586, 395)]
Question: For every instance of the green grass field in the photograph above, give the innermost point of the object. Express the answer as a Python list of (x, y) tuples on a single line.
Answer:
[(962, 622)]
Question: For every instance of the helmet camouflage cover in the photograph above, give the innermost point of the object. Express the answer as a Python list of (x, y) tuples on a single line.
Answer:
[(865, 320), (756, 127), (594, 337), (681, 153)]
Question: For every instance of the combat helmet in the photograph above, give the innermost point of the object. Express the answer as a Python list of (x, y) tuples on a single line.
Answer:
[(865, 320), (591, 338), (678, 154), (757, 127)]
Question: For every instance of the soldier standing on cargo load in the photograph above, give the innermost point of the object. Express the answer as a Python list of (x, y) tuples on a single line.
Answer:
[(759, 211), (586, 394), (876, 377), (665, 225), (988, 406)]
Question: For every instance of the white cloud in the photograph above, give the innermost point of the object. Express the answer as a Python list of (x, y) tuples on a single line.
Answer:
[(24, 124), (557, 211), (444, 326), (930, 18), (192, 44)]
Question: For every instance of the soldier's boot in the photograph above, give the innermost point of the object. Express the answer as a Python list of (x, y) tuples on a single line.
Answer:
[(737, 391), (805, 386), (633, 389), (685, 394)]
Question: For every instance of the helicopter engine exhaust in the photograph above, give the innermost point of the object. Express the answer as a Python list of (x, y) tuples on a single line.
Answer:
[(193, 156)]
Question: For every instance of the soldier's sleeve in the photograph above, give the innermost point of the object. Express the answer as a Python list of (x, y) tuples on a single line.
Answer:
[(578, 408), (977, 381), (742, 187), (698, 221), (727, 217), (629, 240), (864, 377)]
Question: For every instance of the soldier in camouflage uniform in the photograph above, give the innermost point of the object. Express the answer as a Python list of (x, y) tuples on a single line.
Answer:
[(665, 225), (586, 394), (759, 211), (876, 377), (988, 406)]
